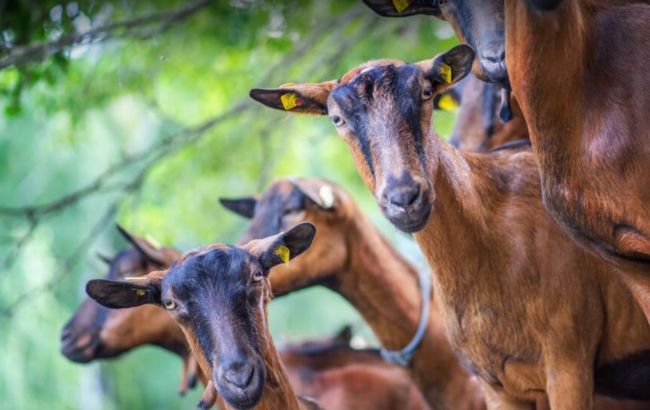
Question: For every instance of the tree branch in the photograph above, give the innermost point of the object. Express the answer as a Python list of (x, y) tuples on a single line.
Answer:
[(65, 266), (38, 52)]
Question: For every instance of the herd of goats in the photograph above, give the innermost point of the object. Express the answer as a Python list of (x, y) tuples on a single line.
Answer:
[(534, 220)]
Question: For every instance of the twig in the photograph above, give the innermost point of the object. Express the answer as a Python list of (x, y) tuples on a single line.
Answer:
[(38, 52)]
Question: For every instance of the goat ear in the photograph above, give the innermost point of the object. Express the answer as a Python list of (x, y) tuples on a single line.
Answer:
[(448, 68), (344, 335), (296, 98), (283, 247), (241, 206), (104, 258), (403, 8), (150, 251), (320, 193), (118, 294)]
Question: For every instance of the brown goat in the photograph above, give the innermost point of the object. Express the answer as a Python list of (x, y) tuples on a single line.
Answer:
[(219, 295), (341, 378), (527, 310), (586, 110), (352, 258), (578, 73), (339, 220), (96, 332), (477, 128), (330, 371)]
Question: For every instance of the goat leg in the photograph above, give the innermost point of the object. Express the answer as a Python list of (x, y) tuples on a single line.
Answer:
[(496, 400), (571, 389), (188, 374), (192, 372)]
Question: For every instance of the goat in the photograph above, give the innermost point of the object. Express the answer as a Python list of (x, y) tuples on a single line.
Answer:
[(481, 224), (341, 378), (333, 373), (352, 258), (574, 67), (95, 332), (339, 220), (597, 123), (218, 295), (477, 128)]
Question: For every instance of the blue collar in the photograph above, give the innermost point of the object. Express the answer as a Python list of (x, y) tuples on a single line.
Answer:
[(403, 357)]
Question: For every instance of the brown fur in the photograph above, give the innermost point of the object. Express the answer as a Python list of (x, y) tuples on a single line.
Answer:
[(579, 74), (469, 133), (126, 329), (277, 392), (343, 378), (352, 258), (525, 308)]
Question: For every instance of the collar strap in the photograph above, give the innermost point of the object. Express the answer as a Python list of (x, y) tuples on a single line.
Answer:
[(403, 357)]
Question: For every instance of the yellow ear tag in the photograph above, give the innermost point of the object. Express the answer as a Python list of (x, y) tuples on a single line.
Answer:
[(290, 101), (401, 5), (448, 103), (283, 253), (140, 292), (445, 72)]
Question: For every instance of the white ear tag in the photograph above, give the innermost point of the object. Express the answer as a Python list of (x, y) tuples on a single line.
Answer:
[(153, 242), (327, 196)]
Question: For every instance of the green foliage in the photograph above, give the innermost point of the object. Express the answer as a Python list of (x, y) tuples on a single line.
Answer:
[(112, 119)]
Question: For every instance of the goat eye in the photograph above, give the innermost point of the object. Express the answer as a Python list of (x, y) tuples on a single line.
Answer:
[(338, 121), (170, 304), (290, 211), (427, 93), (258, 276)]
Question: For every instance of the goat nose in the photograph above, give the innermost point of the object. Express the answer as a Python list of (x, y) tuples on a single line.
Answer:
[(403, 195), (239, 374), (494, 55)]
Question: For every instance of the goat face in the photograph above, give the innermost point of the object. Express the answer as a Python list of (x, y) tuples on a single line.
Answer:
[(382, 109), (479, 23), (95, 332), (218, 296), (83, 338), (288, 202)]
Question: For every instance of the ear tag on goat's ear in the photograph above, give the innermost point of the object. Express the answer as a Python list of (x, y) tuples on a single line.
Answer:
[(448, 103), (445, 72), (290, 101), (140, 292), (327, 196), (283, 253), (401, 5)]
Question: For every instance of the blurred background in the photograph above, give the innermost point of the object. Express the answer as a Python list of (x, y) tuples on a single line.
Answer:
[(137, 112)]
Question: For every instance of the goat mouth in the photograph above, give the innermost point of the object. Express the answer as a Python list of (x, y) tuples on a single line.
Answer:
[(409, 220), (84, 353), (242, 397), (494, 71)]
